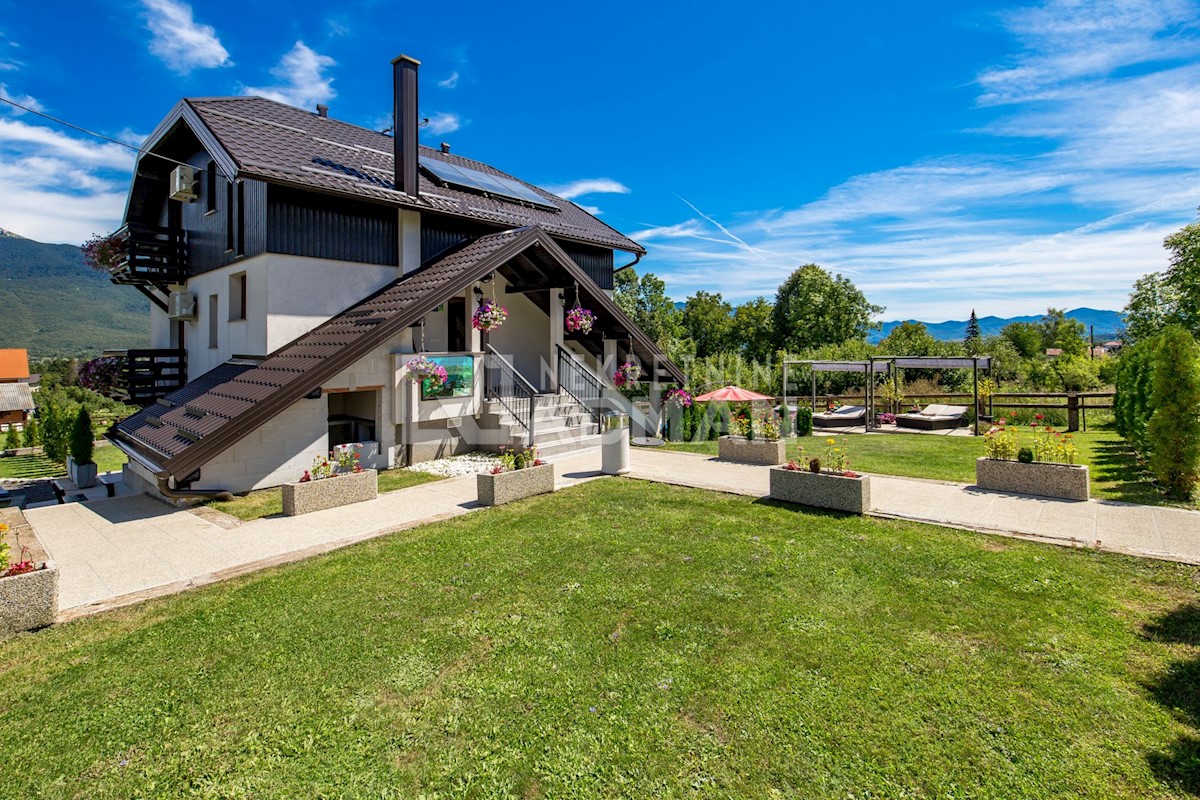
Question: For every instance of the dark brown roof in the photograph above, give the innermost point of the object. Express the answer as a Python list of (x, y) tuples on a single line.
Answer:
[(283, 144), (213, 413)]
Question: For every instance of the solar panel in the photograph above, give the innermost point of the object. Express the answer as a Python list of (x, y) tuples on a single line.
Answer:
[(483, 182)]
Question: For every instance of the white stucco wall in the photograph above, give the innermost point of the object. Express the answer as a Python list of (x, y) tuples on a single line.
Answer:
[(278, 452), (286, 297), (526, 338)]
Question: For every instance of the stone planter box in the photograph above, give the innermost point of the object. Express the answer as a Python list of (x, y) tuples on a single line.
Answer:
[(496, 490), (28, 601), (84, 475), (1046, 480), (767, 452), (342, 490), (822, 490)]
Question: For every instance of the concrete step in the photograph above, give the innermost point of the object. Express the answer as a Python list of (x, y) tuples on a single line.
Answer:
[(569, 445)]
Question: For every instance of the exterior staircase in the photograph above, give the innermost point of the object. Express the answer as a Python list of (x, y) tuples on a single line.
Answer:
[(560, 425)]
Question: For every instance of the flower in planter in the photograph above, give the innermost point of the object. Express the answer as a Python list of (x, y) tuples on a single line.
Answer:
[(792, 466), (489, 316), (517, 459), (580, 320), (680, 398), (626, 374), (425, 369)]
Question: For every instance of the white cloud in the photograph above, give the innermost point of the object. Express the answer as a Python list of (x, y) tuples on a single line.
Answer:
[(182, 43), (1104, 100), (579, 188), (16, 135), (593, 210), (301, 78), (29, 102), (445, 122), (450, 82)]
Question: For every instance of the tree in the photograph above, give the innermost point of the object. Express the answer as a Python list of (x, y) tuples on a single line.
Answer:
[(13, 439), (753, 329), (908, 339), (645, 301), (1025, 337), (1174, 428), (974, 337), (1151, 306), (1063, 332), (1182, 278), (708, 320), (813, 308)]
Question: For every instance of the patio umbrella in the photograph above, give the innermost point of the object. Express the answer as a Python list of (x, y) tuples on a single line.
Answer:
[(732, 394)]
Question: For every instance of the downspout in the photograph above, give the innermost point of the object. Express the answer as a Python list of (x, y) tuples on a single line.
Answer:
[(636, 259), (191, 494)]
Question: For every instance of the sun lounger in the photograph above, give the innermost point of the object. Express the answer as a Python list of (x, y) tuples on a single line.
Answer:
[(844, 417), (933, 417)]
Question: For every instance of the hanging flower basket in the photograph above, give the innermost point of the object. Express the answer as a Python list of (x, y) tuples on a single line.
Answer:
[(680, 398), (424, 369), (489, 316), (580, 320), (626, 374)]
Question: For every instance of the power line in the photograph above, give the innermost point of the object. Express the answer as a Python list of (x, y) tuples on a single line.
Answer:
[(82, 129)]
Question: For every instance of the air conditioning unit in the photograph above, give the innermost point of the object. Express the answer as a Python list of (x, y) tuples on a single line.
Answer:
[(181, 305), (183, 183)]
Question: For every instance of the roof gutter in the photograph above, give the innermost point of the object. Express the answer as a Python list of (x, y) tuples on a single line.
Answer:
[(636, 258)]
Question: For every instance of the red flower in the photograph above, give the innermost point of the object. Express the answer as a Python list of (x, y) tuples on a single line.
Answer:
[(1039, 416)]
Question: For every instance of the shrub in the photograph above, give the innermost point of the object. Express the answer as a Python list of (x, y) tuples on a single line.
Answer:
[(57, 419), (804, 421), (1025, 455), (1173, 431), (81, 437), (33, 437), (13, 440)]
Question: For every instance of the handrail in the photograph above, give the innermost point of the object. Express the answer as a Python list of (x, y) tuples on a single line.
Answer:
[(577, 380), (508, 387)]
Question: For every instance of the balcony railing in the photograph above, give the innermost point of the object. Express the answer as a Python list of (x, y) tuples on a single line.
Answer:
[(146, 375), (150, 255)]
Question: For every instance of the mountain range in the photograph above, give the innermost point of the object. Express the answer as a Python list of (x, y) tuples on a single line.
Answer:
[(53, 305), (1107, 324)]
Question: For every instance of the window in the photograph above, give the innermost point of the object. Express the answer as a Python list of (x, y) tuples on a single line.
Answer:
[(210, 188), (237, 297), (229, 216), (212, 321)]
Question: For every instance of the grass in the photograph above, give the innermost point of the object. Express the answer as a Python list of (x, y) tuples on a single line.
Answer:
[(626, 639), (269, 502), (1115, 473), (108, 459)]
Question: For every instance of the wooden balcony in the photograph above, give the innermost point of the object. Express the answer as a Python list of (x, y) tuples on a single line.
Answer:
[(150, 256), (147, 375)]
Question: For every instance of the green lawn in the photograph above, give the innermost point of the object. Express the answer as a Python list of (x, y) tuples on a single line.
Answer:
[(627, 639), (108, 459), (268, 502), (1114, 471)]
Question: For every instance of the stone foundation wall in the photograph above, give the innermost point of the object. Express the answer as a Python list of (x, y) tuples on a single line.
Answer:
[(766, 452), (303, 498), (822, 490), (1045, 480), (28, 601), (495, 490)]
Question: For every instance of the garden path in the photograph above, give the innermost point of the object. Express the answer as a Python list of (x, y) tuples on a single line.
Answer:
[(1153, 531)]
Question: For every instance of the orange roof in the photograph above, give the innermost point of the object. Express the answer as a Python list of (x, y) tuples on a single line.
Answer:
[(14, 364)]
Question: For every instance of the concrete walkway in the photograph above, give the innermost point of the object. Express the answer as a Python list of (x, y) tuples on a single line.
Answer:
[(1157, 532), (120, 551)]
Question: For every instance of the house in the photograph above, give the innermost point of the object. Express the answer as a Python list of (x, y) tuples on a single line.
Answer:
[(296, 263), (16, 395)]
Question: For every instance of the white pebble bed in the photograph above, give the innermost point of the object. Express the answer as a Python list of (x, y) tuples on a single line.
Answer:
[(457, 466)]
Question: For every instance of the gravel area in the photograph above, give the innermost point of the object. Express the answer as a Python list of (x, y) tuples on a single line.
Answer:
[(457, 466)]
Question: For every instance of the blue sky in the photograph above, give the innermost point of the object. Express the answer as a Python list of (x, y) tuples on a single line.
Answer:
[(943, 155)]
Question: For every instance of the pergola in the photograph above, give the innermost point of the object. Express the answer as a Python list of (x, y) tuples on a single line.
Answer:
[(892, 364)]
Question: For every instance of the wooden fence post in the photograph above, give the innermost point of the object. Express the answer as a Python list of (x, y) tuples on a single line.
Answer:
[(1072, 412)]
